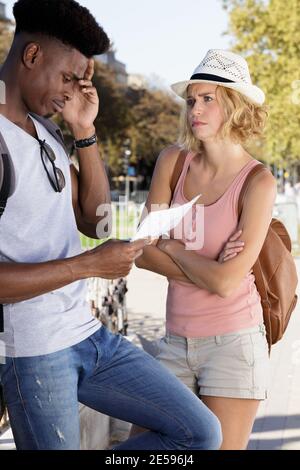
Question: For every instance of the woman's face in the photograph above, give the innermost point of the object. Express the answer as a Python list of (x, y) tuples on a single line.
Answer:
[(205, 115)]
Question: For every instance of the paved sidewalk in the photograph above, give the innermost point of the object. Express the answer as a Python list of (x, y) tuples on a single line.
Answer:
[(278, 421)]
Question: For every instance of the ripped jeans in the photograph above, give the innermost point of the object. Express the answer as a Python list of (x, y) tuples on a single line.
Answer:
[(109, 374)]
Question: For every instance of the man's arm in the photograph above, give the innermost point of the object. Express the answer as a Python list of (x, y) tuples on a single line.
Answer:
[(90, 187), (153, 259), (111, 260)]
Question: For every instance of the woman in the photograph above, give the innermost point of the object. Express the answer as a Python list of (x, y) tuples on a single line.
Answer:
[(215, 339)]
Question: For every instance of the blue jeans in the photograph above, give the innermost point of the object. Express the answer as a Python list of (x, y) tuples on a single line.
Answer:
[(109, 374)]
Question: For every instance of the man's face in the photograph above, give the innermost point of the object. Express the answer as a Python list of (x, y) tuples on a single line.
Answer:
[(52, 81)]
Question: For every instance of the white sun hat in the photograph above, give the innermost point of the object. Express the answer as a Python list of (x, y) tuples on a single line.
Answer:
[(226, 69)]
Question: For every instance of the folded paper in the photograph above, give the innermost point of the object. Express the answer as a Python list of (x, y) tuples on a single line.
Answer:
[(159, 223)]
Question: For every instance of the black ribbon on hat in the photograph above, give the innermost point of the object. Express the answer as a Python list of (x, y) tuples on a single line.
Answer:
[(208, 76)]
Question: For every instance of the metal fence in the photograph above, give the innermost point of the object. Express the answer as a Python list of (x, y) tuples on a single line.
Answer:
[(108, 303), (4, 423)]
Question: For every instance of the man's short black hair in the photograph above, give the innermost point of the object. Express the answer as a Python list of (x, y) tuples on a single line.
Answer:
[(64, 20)]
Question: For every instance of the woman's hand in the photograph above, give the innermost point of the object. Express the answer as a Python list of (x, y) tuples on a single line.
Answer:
[(232, 248)]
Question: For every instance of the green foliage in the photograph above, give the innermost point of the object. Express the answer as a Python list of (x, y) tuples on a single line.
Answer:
[(6, 36), (154, 125), (267, 33)]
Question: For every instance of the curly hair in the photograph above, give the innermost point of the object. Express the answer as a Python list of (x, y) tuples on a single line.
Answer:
[(64, 20), (243, 120)]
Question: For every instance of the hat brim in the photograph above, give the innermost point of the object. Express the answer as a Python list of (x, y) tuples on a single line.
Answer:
[(254, 94)]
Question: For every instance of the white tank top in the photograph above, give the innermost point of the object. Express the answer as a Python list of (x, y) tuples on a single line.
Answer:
[(39, 225)]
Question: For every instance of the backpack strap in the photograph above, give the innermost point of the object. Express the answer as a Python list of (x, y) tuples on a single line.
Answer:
[(6, 182), (257, 169), (257, 270), (178, 170), (53, 129), (261, 287), (6, 170), (7, 186)]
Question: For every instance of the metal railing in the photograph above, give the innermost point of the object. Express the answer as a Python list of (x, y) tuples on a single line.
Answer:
[(108, 303), (4, 423)]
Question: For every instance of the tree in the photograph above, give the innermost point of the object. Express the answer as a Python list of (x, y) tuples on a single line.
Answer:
[(155, 118), (6, 36), (267, 33)]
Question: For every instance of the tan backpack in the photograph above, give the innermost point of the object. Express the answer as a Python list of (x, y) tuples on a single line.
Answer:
[(275, 272)]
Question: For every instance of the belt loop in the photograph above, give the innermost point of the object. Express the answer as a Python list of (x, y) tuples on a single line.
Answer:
[(218, 340), (167, 337), (262, 329)]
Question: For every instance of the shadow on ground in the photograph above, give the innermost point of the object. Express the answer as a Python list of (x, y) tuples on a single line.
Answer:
[(145, 330), (275, 423)]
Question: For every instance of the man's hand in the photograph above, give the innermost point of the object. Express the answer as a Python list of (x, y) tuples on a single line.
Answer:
[(81, 111), (170, 245), (114, 258), (232, 248)]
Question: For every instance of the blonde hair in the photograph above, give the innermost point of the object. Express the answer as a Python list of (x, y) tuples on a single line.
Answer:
[(243, 120)]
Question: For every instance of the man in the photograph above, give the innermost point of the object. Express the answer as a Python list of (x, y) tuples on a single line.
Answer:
[(56, 353)]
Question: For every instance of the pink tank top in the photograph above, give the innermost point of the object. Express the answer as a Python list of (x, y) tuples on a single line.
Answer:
[(193, 312)]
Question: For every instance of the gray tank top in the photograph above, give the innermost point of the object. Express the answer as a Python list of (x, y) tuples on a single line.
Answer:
[(39, 225)]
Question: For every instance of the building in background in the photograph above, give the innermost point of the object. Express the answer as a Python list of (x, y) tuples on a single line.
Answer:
[(117, 67), (2, 11), (137, 81), (3, 16)]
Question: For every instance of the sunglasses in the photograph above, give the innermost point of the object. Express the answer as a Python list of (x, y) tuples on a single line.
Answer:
[(55, 175)]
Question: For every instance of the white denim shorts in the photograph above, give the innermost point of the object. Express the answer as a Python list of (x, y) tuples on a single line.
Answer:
[(233, 365)]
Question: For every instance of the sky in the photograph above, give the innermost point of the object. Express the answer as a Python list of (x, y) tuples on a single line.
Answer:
[(162, 38)]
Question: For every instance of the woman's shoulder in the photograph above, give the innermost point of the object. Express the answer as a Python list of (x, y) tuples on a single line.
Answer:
[(265, 176), (169, 155), (168, 158), (262, 183)]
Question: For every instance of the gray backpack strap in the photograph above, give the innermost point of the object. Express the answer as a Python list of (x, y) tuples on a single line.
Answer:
[(7, 175), (7, 187), (53, 129)]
